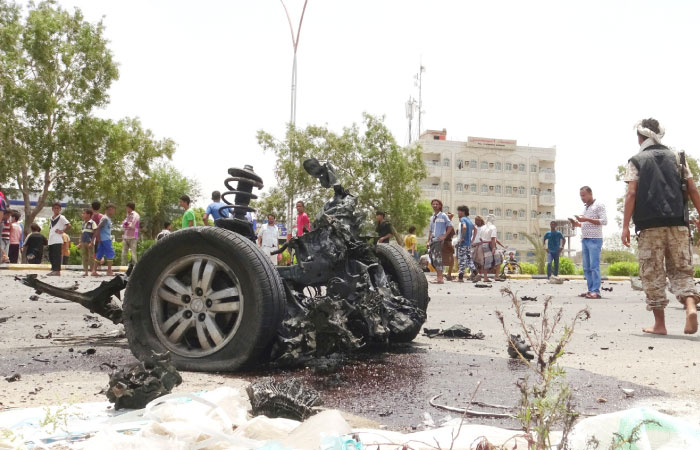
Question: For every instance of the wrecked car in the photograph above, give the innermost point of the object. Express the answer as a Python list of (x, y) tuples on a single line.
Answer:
[(212, 299)]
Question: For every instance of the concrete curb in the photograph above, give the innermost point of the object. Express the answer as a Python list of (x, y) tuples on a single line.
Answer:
[(566, 277), (47, 267)]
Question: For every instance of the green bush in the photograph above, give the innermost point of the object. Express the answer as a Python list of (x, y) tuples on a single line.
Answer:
[(614, 256), (422, 249), (566, 266), (528, 268), (579, 271), (624, 268), (697, 272)]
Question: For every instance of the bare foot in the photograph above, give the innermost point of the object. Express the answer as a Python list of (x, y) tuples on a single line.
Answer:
[(655, 330), (691, 322)]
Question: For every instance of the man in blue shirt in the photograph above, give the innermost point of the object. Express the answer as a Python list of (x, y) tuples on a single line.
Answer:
[(555, 244), (440, 227), (464, 242), (213, 208)]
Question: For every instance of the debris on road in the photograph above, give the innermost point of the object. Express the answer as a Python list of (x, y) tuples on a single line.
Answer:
[(288, 398), (517, 346), (533, 314), (525, 298), (482, 285), (137, 385), (609, 289), (455, 331), (43, 336), (13, 378), (473, 413), (628, 392), (34, 298), (5, 319)]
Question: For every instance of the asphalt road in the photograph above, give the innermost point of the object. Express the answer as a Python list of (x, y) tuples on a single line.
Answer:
[(391, 386)]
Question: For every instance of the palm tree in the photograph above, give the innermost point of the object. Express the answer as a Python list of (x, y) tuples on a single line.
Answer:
[(540, 252)]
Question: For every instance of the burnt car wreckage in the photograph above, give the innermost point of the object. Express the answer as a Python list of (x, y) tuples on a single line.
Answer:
[(214, 301)]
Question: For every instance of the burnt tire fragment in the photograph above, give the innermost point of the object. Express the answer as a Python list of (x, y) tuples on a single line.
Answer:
[(208, 296), (403, 270)]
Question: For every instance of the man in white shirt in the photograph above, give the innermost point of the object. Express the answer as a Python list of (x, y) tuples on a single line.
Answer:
[(268, 238)]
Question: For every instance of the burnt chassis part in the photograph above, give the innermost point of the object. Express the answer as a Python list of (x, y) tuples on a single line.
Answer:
[(212, 299)]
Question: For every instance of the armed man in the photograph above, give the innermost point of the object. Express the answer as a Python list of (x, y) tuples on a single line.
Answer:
[(659, 184)]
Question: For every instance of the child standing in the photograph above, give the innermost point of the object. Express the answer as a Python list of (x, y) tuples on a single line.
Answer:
[(87, 250), (58, 225), (5, 243), (34, 245), (15, 236), (103, 237)]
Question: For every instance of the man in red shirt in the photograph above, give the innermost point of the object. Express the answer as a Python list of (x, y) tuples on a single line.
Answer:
[(303, 224)]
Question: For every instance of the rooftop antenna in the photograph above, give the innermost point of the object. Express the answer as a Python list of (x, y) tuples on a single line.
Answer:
[(410, 107), (419, 82)]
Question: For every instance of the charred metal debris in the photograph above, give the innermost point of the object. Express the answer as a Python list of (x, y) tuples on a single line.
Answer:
[(288, 398), (135, 386), (342, 294)]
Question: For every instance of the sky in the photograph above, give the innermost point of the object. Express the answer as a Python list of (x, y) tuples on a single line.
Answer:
[(577, 75)]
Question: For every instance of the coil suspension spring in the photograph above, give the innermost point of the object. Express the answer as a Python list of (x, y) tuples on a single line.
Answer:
[(247, 179)]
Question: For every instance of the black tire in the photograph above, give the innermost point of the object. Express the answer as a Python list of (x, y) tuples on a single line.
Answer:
[(240, 322), (407, 274), (515, 269)]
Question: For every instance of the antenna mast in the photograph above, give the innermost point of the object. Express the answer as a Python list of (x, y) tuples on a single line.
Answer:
[(419, 82)]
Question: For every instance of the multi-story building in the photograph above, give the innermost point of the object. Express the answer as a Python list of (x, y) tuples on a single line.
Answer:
[(493, 176)]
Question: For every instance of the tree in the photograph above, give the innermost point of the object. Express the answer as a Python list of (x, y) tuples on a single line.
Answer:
[(540, 252), (368, 162), (55, 70)]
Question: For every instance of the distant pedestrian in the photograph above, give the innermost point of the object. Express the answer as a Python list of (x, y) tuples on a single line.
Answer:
[(659, 184), (303, 223), (555, 244), (464, 242), (410, 243), (165, 231), (33, 248), (96, 215), (213, 209), (65, 249), (268, 238), (58, 225), (104, 251), (15, 236), (591, 223), (87, 249), (448, 250), (486, 255), (440, 227), (130, 239), (5, 227), (188, 219), (383, 229)]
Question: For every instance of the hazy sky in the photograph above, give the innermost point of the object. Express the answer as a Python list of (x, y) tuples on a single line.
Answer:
[(209, 74)]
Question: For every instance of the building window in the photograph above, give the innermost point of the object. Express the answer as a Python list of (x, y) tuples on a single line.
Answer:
[(472, 187), (484, 188), (533, 168), (498, 166), (515, 166), (490, 211), (498, 189), (521, 167), (509, 236), (509, 213), (446, 186), (509, 190), (521, 214), (484, 165), (533, 214), (490, 188), (533, 191), (509, 166), (548, 215), (515, 190), (484, 212), (460, 164), (472, 164), (459, 187), (490, 166), (522, 236), (446, 162), (498, 212), (521, 190)]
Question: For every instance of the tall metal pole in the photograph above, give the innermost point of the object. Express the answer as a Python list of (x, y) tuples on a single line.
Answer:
[(419, 78), (293, 108)]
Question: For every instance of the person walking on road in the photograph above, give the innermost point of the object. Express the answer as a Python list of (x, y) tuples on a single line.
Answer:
[(659, 185), (440, 227), (591, 223), (464, 242), (130, 225), (213, 208), (268, 238), (555, 244)]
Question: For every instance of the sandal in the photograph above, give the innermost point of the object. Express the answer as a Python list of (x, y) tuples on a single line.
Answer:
[(437, 282), (593, 295), (584, 295)]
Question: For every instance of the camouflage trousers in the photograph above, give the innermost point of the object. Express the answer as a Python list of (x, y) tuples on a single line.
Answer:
[(665, 252)]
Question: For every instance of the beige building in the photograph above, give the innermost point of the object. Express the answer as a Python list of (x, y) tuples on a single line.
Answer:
[(493, 176)]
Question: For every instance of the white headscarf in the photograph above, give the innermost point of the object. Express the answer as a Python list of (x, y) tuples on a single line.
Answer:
[(491, 218), (656, 137)]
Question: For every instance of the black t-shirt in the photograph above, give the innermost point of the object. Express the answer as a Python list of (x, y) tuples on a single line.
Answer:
[(35, 246), (384, 228)]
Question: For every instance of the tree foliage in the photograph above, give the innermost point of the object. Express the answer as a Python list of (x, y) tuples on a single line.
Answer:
[(368, 161), (540, 252), (55, 71)]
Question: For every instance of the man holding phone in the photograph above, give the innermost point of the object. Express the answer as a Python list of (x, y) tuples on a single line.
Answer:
[(591, 223)]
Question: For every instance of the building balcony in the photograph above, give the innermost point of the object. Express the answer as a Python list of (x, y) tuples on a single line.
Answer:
[(546, 200), (547, 177)]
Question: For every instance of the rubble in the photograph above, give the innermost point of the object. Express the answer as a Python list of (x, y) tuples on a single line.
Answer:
[(288, 398), (137, 385), (455, 331), (517, 346)]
